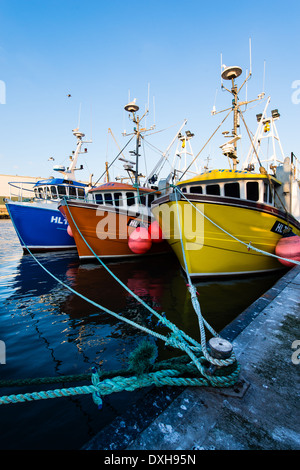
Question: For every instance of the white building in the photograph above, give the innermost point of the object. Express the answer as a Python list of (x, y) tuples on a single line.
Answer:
[(7, 191)]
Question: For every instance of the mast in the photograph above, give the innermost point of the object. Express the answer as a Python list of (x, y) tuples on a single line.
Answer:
[(230, 148), (132, 108), (231, 74), (70, 172), (79, 135), (106, 172)]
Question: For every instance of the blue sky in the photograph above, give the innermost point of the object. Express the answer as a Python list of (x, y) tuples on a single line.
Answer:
[(97, 51)]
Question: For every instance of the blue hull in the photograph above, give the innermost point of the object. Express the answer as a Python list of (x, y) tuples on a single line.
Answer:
[(40, 229)]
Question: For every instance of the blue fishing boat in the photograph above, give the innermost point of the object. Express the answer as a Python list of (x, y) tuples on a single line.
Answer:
[(38, 223)]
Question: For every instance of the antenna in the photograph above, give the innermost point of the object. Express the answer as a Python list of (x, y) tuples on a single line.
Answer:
[(264, 75), (91, 121), (79, 113), (246, 90), (221, 71), (147, 106), (154, 110), (250, 71), (214, 106), (124, 130)]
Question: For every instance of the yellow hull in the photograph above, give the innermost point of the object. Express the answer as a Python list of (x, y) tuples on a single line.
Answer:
[(211, 251)]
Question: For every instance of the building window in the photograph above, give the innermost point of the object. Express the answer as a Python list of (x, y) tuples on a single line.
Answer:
[(213, 189), (232, 189), (252, 190)]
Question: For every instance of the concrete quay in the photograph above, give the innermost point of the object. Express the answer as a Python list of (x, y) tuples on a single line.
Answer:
[(260, 413)]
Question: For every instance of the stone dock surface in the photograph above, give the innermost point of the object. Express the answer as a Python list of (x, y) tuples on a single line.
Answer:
[(260, 413)]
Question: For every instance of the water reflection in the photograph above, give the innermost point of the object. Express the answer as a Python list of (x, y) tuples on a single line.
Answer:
[(158, 281)]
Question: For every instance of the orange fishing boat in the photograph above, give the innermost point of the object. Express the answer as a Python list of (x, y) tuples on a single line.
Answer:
[(114, 222)]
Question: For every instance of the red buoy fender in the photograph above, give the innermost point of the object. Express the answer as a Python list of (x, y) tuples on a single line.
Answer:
[(139, 241), (155, 232), (69, 231), (288, 247)]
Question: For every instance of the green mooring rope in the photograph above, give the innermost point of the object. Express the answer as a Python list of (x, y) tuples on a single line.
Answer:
[(225, 373), (175, 376)]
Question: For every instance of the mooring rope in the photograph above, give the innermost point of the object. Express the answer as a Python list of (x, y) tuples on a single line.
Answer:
[(194, 298), (161, 318), (176, 332), (99, 388), (177, 339)]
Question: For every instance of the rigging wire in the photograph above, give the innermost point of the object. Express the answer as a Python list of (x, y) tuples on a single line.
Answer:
[(113, 161)]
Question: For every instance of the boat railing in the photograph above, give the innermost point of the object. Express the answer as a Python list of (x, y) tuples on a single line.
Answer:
[(22, 194)]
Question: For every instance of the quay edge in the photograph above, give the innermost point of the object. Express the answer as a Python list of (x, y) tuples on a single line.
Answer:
[(261, 414)]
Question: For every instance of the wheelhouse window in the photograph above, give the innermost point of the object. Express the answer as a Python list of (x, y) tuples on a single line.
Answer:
[(81, 193), (196, 190), (53, 192), (118, 199), (41, 193), (142, 199), (72, 191), (252, 190), (62, 191), (213, 189), (130, 199), (48, 192), (267, 192), (108, 199), (151, 198), (232, 190), (99, 198)]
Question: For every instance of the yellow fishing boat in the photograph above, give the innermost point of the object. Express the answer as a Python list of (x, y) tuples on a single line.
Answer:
[(229, 221)]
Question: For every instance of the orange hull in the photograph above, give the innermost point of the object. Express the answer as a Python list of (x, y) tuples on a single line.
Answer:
[(104, 232)]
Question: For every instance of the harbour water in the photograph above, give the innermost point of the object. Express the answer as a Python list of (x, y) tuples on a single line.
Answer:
[(49, 331)]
